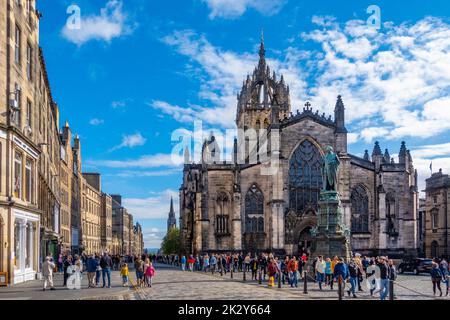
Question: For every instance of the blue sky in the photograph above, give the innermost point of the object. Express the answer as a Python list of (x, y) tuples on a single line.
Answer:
[(137, 70)]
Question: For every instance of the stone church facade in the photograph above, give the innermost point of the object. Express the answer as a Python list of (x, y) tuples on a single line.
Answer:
[(232, 206)]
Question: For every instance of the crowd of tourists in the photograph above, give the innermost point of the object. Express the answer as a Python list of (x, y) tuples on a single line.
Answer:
[(99, 267), (327, 272)]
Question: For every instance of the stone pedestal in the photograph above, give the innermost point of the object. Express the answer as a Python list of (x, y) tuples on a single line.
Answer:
[(332, 237)]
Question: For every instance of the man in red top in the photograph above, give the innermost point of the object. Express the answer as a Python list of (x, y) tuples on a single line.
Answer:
[(293, 269)]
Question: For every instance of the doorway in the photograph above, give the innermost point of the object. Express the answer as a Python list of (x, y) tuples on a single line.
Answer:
[(305, 241)]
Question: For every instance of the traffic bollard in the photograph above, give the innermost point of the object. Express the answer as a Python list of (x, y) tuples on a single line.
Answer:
[(243, 277), (279, 279), (340, 287), (231, 271), (260, 277), (305, 283), (391, 289)]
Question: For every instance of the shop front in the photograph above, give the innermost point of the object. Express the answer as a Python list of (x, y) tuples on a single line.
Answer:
[(25, 255)]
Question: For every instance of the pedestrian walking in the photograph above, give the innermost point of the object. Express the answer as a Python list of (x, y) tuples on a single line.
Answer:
[(293, 272), (353, 276), (139, 268), (384, 279), (124, 273), (206, 263), (66, 264), (106, 264), (150, 273), (254, 267), (47, 273), (320, 271), (443, 266), (91, 268), (183, 263), (328, 273), (340, 270), (98, 271), (272, 270), (436, 278)]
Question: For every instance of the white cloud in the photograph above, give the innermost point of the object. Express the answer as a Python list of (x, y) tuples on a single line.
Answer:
[(146, 161), (352, 137), (399, 76), (222, 73), (236, 8), (96, 122), (152, 239), (131, 141), (431, 151), (110, 24), (395, 82), (156, 206), (423, 168)]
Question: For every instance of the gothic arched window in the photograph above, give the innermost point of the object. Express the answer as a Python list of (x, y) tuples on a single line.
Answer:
[(391, 213), (360, 210), (305, 177), (254, 210), (222, 214)]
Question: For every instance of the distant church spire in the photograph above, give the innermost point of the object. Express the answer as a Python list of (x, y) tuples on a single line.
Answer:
[(172, 221)]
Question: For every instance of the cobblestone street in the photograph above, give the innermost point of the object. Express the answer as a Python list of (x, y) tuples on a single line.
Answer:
[(173, 284)]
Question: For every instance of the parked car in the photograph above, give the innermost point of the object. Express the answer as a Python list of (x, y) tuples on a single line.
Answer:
[(417, 265)]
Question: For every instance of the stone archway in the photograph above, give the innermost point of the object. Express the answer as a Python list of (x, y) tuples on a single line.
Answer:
[(305, 241)]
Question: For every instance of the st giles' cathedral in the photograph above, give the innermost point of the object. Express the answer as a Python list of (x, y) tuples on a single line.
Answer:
[(231, 206)]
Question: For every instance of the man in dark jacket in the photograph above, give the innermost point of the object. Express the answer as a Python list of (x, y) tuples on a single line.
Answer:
[(341, 270), (91, 267), (106, 265)]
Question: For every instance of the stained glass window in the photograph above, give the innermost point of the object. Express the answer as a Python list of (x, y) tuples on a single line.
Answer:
[(305, 177), (360, 209), (254, 209)]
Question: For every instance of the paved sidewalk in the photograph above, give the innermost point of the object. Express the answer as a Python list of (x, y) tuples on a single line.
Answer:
[(32, 290)]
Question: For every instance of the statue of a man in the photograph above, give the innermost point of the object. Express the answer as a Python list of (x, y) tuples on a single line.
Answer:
[(330, 168)]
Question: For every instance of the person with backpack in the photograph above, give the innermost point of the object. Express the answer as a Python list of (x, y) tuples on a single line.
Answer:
[(341, 271), (436, 278)]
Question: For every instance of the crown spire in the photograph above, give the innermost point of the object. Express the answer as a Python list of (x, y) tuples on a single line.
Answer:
[(262, 50)]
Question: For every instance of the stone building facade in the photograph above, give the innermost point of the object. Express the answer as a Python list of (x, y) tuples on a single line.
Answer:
[(120, 224), (106, 223), (41, 183), (91, 207), (244, 205), (437, 216), (47, 130), (21, 82)]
